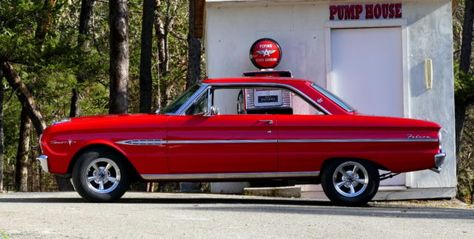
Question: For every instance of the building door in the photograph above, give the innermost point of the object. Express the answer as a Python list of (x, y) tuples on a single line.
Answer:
[(366, 72)]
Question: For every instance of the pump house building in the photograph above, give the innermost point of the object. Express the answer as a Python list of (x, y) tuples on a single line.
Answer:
[(383, 57)]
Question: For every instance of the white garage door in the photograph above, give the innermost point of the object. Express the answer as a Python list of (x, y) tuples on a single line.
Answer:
[(366, 71)]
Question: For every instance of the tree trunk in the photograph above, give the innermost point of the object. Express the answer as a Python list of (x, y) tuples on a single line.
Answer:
[(194, 42), (460, 116), (83, 43), (74, 110), (25, 97), (2, 153), (194, 61), (84, 23), (22, 157), (464, 66), (466, 42), (45, 21), (119, 56), (162, 59), (146, 86)]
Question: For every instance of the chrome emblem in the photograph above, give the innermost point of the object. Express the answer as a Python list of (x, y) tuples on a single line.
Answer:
[(417, 136)]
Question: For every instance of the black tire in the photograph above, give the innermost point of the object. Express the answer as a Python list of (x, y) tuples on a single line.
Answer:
[(100, 175), (344, 187)]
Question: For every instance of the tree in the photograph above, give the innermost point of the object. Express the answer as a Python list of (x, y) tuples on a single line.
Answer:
[(84, 23), (146, 80), (196, 13), (464, 92), (45, 21), (164, 24), (22, 157), (2, 147), (24, 96), (119, 56), (83, 44), (50, 49)]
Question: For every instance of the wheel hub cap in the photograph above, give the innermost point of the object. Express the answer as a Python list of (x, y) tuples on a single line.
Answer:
[(350, 179), (103, 175)]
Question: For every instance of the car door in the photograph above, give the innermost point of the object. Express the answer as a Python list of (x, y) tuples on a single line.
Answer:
[(221, 144), (299, 148)]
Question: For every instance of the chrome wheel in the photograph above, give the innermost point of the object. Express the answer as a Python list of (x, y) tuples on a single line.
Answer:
[(350, 179), (102, 175)]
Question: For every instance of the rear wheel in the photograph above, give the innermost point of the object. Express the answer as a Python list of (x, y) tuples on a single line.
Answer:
[(100, 176), (350, 182)]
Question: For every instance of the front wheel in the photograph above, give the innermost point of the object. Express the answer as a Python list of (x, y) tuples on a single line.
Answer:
[(350, 182), (100, 176)]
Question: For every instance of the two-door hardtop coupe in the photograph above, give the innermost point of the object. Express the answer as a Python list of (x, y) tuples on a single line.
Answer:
[(208, 135)]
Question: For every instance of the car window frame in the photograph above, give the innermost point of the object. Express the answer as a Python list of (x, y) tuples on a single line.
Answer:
[(207, 88), (197, 94), (207, 94)]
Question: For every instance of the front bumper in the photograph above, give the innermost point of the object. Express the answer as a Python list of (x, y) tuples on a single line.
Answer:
[(43, 159), (439, 161)]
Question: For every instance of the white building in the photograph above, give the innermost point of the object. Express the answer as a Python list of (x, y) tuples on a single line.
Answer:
[(382, 57)]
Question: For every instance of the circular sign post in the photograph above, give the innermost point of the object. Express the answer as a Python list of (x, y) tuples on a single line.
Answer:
[(265, 53)]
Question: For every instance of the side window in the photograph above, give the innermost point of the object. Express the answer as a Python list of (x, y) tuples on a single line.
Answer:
[(199, 106), (261, 100)]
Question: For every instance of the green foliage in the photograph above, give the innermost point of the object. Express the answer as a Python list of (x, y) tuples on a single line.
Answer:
[(464, 92), (463, 83), (52, 67), (3, 235), (465, 161)]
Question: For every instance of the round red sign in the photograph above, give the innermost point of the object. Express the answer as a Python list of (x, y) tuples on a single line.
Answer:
[(265, 53)]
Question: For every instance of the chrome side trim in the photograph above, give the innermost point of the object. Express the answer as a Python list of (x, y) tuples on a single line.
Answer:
[(141, 142), (354, 140), (43, 160), (151, 142), (244, 141), (201, 176)]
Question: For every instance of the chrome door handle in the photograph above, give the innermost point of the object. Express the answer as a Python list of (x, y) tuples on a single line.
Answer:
[(266, 121)]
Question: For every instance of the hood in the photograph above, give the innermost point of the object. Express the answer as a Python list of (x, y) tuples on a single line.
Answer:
[(107, 122)]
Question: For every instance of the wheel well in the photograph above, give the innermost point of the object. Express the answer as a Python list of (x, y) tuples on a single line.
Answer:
[(131, 169), (327, 161)]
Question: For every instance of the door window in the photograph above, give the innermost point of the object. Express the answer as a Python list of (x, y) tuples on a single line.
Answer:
[(200, 106), (259, 100)]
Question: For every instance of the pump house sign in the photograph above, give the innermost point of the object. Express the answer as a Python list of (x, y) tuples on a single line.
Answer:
[(365, 11)]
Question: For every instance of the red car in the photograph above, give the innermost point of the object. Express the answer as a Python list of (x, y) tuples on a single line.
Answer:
[(252, 128)]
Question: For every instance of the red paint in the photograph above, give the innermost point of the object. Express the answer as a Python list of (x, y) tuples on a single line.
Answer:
[(245, 157), (265, 53), (367, 11)]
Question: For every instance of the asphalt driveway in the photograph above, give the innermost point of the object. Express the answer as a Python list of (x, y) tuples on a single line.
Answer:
[(159, 215)]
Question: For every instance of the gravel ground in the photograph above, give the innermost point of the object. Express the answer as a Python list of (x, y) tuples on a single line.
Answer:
[(159, 215)]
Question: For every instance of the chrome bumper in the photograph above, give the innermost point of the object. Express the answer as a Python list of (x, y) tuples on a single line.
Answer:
[(439, 161), (43, 159)]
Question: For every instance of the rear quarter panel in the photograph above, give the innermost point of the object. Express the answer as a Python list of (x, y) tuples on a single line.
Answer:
[(384, 141)]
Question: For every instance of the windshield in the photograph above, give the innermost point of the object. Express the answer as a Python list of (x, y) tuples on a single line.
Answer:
[(173, 107), (333, 97)]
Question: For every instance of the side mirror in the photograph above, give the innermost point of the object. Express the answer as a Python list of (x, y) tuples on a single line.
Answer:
[(212, 111)]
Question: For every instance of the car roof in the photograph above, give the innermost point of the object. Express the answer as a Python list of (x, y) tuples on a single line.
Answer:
[(260, 79)]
